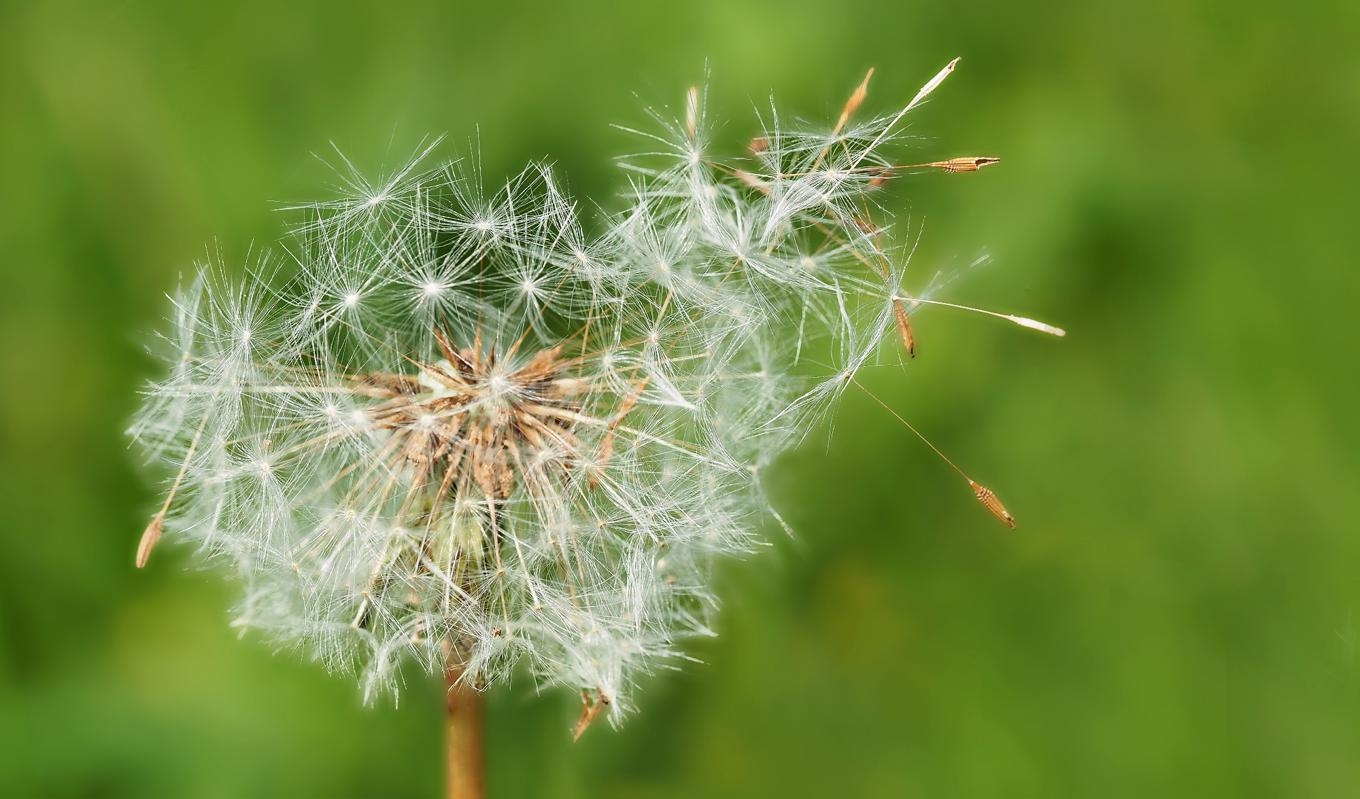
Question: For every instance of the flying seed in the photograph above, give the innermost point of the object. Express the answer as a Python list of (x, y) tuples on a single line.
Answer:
[(984, 495), (150, 536), (990, 501), (965, 164), (931, 85), (921, 95), (590, 710), (904, 327), (852, 105), (153, 531), (1022, 321)]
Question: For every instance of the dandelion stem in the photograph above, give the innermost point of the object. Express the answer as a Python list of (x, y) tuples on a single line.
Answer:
[(464, 738)]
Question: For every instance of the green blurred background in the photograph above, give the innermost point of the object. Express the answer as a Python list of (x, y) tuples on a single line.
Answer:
[(1179, 613)]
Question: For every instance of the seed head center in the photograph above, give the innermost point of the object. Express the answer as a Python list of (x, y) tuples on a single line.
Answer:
[(475, 422)]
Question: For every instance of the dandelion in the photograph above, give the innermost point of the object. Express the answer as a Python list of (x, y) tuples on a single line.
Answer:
[(474, 431)]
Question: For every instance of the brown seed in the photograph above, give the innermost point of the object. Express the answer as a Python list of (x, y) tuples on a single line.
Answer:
[(590, 709), (880, 175), (759, 144), (966, 164), (607, 444), (904, 327), (153, 531), (851, 105), (990, 501), (856, 100), (150, 536)]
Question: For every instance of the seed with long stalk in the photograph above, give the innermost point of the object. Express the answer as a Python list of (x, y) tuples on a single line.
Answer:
[(984, 495), (1022, 321)]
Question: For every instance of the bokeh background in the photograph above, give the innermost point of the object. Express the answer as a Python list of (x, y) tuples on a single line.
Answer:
[(1179, 613)]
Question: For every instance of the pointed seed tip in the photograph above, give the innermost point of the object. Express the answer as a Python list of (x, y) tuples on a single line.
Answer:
[(150, 536), (989, 500)]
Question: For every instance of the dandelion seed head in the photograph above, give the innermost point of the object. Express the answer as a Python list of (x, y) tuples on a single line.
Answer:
[(471, 425)]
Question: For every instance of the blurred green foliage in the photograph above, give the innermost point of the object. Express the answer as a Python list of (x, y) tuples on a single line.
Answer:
[(1179, 613)]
